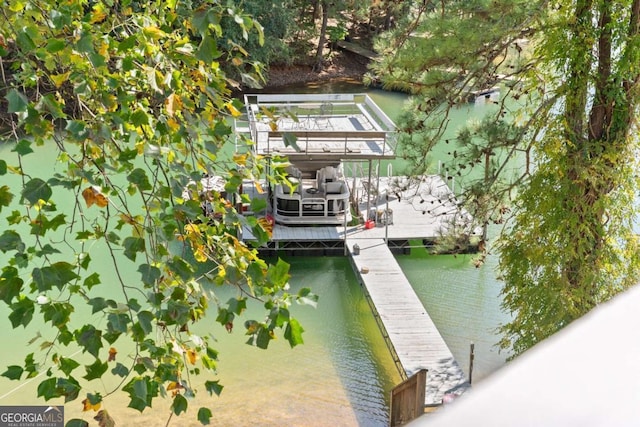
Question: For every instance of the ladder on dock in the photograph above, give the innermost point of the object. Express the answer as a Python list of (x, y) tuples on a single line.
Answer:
[(410, 334)]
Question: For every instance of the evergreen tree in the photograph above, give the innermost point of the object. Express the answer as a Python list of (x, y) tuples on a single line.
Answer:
[(568, 71)]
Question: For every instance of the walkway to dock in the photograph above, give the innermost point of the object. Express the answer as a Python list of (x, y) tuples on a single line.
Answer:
[(410, 334), (356, 48)]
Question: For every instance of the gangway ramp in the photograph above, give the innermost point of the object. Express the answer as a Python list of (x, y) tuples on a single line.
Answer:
[(410, 334)]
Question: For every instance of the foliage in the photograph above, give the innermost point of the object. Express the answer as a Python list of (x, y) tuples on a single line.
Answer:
[(336, 33), (576, 247), (278, 19), (568, 76), (135, 100)]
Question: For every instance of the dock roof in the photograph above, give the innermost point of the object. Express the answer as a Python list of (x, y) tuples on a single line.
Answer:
[(320, 126)]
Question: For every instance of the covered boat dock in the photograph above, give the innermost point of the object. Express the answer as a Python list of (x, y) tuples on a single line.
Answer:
[(319, 134)]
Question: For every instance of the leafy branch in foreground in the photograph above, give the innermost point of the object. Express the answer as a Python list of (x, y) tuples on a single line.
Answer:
[(136, 101)]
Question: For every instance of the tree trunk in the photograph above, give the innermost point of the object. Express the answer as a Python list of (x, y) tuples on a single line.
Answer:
[(322, 39)]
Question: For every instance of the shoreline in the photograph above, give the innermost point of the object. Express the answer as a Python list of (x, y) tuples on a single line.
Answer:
[(342, 66)]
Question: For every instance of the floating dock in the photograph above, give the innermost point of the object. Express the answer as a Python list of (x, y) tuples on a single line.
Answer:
[(410, 334), (348, 133), (421, 210)]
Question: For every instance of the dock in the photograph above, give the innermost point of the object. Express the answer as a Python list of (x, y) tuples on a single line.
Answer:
[(422, 210), (410, 334), (349, 135)]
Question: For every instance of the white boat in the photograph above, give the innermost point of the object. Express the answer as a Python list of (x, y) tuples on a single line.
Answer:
[(317, 134), (323, 199)]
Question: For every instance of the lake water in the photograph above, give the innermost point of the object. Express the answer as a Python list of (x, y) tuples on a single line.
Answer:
[(343, 374)]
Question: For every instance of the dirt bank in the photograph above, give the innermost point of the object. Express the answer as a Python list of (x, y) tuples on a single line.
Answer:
[(343, 65)]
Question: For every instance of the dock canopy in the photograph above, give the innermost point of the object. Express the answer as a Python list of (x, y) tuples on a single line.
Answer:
[(320, 127)]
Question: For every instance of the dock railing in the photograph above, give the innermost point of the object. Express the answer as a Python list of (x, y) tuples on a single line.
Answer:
[(343, 143)]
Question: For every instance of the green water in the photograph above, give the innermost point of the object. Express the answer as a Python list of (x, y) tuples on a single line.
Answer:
[(343, 373)]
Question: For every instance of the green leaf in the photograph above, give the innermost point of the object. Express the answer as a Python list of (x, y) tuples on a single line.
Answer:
[(10, 288), (85, 43), (237, 306), (145, 318), (213, 387), (65, 337), (94, 399), (25, 38), (83, 260), (305, 296), (111, 337), (36, 189), (13, 372), (17, 101), (48, 389), (98, 304), (51, 105), (278, 273), (139, 118), (120, 370), (290, 140), (21, 312), (177, 312), (141, 391), (95, 370), (58, 313), (139, 178), (200, 20), (167, 372), (293, 333), (91, 280), (55, 45), (30, 366), (127, 43), (224, 316), (149, 274), (133, 304), (11, 241), (133, 245), (67, 365), (78, 129), (204, 415), (3, 167), (263, 338), (90, 339), (45, 250), (69, 388), (208, 50), (23, 147), (118, 322), (179, 404), (181, 267), (58, 275)]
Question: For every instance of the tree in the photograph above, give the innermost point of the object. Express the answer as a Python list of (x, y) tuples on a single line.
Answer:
[(279, 27), (569, 75), (134, 97), (322, 38)]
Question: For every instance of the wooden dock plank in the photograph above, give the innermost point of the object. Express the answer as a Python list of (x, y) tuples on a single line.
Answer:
[(412, 334)]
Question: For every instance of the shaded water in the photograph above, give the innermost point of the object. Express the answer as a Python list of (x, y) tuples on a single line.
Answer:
[(343, 373)]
